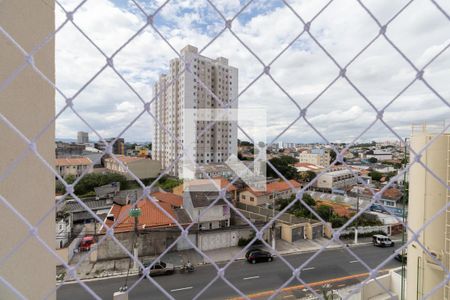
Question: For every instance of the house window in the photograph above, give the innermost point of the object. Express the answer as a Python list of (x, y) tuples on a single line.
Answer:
[(252, 199)]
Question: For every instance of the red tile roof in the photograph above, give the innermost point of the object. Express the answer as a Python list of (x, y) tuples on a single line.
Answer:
[(73, 161), (151, 216), (169, 198), (392, 193)]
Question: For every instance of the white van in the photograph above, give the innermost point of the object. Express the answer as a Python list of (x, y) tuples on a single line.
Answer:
[(382, 241)]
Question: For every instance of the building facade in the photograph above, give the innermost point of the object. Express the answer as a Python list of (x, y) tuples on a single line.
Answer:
[(380, 155), (320, 157), (63, 150), (340, 178), (72, 166), (177, 91), (82, 137), (197, 205), (426, 197), (274, 191)]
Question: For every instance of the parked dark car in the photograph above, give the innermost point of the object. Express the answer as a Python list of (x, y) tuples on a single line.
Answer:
[(401, 258), (258, 256), (159, 268)]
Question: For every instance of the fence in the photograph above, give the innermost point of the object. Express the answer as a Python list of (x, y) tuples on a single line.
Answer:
[(73, 246), (28, 49), (259, 212)]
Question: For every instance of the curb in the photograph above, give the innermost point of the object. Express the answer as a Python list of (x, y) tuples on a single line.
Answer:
[(282, 253)]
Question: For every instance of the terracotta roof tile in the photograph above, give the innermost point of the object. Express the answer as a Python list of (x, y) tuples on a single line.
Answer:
[(172, 199), (151, 216)]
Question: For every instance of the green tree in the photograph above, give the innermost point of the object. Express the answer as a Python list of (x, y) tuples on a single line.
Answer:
[(298, 209), (282, 164), (375, 175), (373, 160), (325, 212), (59, 188), (337, 221), (168, 184), (244, 143), (70, 179), (307, 176), (309, 200), (332, 156), (90, 181)]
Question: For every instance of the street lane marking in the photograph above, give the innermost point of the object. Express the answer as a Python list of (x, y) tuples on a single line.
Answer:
[(311, 285), (252, 277), (354, 261), (181, 289), (307, 269)]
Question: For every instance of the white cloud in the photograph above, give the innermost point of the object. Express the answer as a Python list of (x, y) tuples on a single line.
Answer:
[(304, 70)]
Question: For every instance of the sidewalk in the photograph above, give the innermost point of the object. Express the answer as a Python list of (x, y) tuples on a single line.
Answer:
[(119, 267)]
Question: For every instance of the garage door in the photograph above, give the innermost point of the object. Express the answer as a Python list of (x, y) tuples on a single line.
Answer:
[(298, 234), (317, 232)]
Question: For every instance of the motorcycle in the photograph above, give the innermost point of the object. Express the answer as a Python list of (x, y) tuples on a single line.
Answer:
[(187, 268)]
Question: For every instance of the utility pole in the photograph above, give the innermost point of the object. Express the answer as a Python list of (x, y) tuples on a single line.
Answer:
[(134, 213)]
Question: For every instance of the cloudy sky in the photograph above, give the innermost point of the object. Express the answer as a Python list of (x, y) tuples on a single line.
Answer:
[(267, 27)]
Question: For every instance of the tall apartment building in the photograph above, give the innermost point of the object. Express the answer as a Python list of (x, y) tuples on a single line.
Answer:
[(177, 91), (82, 137), (426, 197), (320, 157)]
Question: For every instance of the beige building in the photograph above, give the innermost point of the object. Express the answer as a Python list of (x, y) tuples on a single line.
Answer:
[(274, 191), (72, 166), (319, 157), (27, 102), (337, 178), (185, 92), (426, 197), (140, 166)]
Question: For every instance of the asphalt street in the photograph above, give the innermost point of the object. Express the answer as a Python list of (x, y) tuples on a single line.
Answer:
[(250, 279)]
